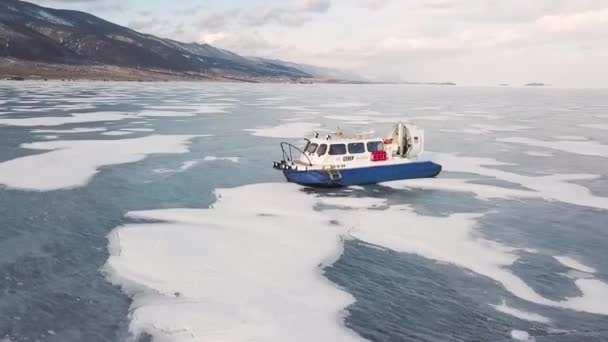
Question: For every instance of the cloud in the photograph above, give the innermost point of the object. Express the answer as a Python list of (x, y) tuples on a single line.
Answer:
[(188, 11), (514, 41), (372, 4), (109, 7), (218, 21), (576, 22), (147, 25), (292, 14), (91, 6), (246, 43), (67, 1)]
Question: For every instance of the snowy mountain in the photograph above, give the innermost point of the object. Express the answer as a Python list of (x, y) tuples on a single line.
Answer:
[(72, 40)]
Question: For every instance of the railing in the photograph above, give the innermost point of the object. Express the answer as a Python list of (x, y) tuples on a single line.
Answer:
[(288, 151)]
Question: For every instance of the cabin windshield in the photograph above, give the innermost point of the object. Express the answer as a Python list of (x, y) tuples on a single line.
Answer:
[(306, 146), (312, 148), (322, 150)]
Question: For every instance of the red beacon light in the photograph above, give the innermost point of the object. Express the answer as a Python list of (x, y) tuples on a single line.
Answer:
[(378, 156)]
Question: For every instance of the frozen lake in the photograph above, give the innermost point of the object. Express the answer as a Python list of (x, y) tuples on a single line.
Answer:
[(130, 211)]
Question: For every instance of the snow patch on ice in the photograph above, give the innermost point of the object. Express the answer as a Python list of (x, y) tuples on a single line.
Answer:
[(476, 114), (364, 119), (116, 133), (250, 266), (293, 108), (72, 164), (520, 335), (69, 131), (344, 105), (481, 191), (486, 129), (353, 203), (247, 269), (588, 148), (138, 129), (595, 126), (230, 159), (538, 154), (435, 118), (287, 130), (157, 113), (528, 316), (185, 166), (570, 137), (552, 188), (574, 264), (62, 120), (207, 108)]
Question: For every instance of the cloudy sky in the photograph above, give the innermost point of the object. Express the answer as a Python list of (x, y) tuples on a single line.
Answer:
[(474, 42)]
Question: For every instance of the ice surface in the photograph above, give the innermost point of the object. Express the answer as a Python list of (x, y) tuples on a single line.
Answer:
[(538, 154), (68, 131), (477, 115), (448, 239), (230, 159), (365, 120), (158, 113), (595, 126), (138, 129), (435, 118), (574, 264), (247, 269), (62, 120), (528, 316), (293, 108), (207, 108), (116, 133), (185, 166), (588, 148), (486, 129), (28, 109), (344, 105), (552, 188), (288, 130), (452, 239), (520, 335), (73, 163), (250, 267), (354, 203), (484, 192), (570, 137)]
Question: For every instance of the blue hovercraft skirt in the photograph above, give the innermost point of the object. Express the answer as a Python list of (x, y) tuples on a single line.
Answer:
[(363, 175)]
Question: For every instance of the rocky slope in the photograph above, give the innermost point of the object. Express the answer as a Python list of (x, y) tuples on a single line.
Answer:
[(37, 38)]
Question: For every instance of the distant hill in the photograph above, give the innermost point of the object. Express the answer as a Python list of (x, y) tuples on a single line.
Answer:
[(45, 42), (535, 84)]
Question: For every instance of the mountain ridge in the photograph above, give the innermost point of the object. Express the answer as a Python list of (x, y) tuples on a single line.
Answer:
[(58, 43)]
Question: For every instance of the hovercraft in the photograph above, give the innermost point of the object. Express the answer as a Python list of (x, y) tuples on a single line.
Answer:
[(338, 160)]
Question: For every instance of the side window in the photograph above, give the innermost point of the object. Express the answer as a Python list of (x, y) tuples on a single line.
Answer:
[(354, 148), (312, 148), (337, 149), (307, 145), (374, 146), (322, 150)]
